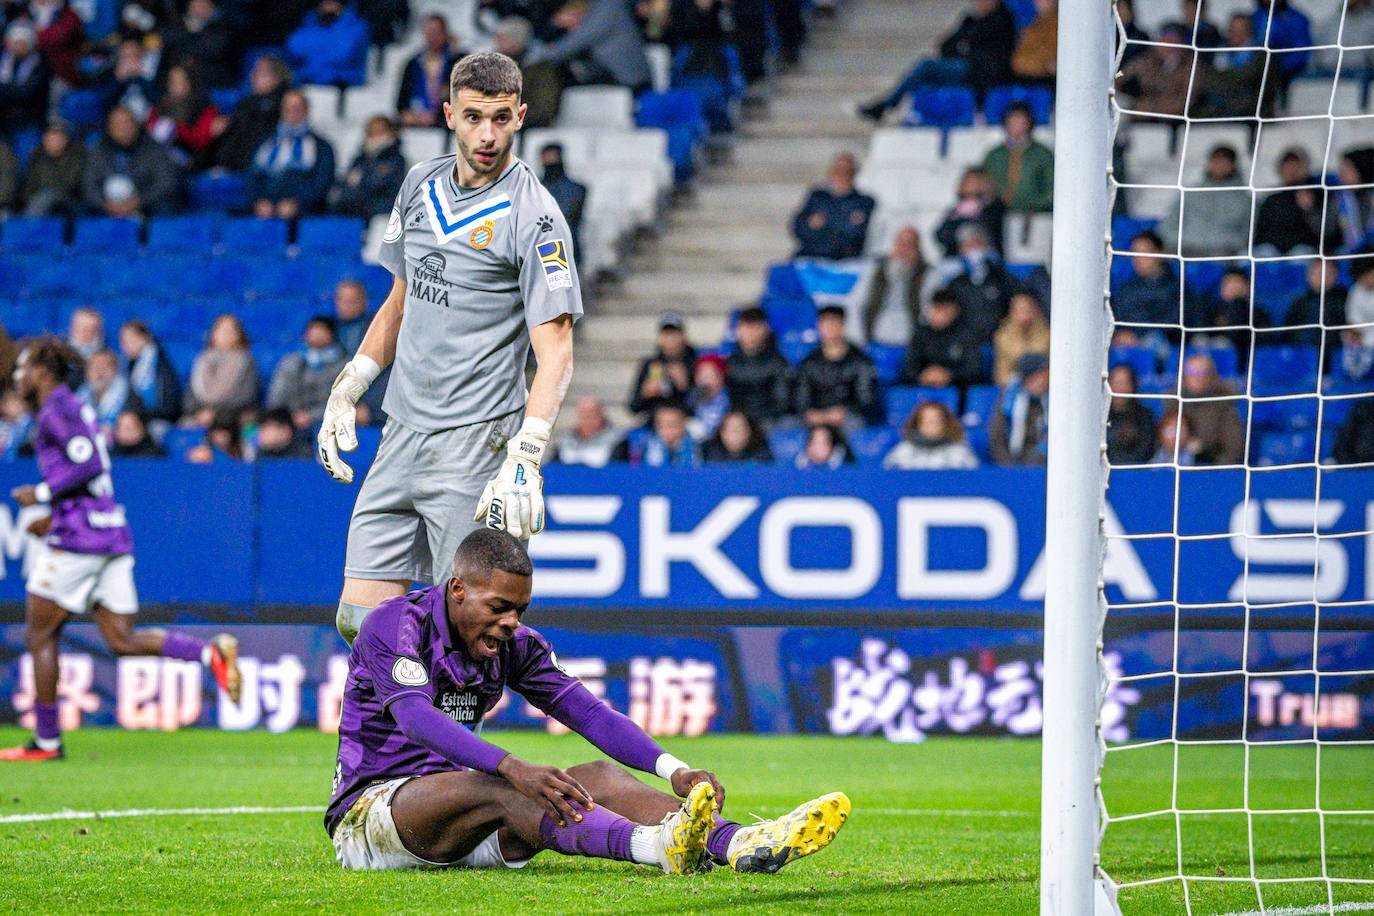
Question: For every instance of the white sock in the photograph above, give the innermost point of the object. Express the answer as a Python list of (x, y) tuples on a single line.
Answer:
[(47, 744), (644, 847)]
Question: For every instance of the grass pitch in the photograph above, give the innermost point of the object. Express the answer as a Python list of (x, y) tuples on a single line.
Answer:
[(946, 827)]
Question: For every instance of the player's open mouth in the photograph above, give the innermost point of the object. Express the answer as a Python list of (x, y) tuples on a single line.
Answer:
[(491, 644), (486, 156)]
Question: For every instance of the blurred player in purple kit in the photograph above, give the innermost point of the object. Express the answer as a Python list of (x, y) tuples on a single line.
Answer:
[(88, 567), (416, 787)]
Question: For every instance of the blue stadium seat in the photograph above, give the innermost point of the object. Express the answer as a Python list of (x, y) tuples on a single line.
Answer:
[(1125, 228), (1141, 359), (1335, 409), (249, 235), (102, 235), (1287, 448), (267, 355), (1038, 99), (1285, 370), (195, 234), (1203, 278), (786, 442), (225, 99), (179, 441), (218, 192), (279, 278), (943, 107), (1285, 416), (888, 360), (902, 400), (1277, 283), (26, 317), (871, 443), (1120, 271), (83, 109), (979, 403), (184, 275), (182, 354), (327, 271), (274, 322), (35, 235), (57, 278), (981, 443), (1023, 11), (335, 235), (118, 277), (377, 279), (677, 112)]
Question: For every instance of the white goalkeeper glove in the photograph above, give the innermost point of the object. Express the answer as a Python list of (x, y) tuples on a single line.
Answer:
[(337, 431), (514, 500)]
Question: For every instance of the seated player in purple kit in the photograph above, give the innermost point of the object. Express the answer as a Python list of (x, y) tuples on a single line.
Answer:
[(88, 567), (416, 787)]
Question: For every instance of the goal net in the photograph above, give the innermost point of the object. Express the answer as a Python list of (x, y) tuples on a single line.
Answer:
[(1241, 306)]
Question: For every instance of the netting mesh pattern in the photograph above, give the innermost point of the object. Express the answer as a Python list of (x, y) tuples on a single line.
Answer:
[(1242, 406)]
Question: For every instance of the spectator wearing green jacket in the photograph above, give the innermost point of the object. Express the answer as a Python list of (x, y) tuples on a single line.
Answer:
[(1022, 168)]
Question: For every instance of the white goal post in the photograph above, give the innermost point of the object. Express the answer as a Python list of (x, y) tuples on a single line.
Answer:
[(1076, 476), (1267, 806)]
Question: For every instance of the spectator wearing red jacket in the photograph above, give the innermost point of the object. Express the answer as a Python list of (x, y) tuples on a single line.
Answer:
[(183, 119), (61, 37)]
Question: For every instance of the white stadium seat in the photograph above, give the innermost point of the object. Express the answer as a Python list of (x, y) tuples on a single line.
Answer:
[(660, 58), (903, 146), (969, 145), (641, 148), (421, 143), (597, 106), (579, 149)]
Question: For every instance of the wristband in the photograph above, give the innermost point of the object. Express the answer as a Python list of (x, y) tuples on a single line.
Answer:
[(366, 367), (42, 492), (667, 765)]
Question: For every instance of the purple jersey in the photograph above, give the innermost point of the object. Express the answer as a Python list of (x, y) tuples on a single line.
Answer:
[(76, 467), (404, 649)]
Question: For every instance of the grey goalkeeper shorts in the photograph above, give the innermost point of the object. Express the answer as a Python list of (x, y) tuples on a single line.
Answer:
[(416, 504)]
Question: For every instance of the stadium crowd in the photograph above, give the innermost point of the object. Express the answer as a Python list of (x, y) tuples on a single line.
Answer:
[(143, 111)]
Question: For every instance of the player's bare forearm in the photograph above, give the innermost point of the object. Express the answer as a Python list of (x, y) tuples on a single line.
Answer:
[(552, 342), (379, 343)]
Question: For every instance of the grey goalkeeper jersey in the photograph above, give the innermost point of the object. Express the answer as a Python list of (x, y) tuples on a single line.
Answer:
[(482, 266)]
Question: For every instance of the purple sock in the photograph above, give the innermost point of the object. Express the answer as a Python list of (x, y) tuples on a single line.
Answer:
[(600, 834), (718, 840), (46, 727), (179, 645)]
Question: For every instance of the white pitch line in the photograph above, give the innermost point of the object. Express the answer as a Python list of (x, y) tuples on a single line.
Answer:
[(315, 809), (936, 812), (1306, 910), (153, 812)]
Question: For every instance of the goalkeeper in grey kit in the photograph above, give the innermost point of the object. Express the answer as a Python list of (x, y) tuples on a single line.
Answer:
[(483, 268)]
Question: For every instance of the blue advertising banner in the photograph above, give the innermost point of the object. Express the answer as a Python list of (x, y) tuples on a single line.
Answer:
[(776, 540), (673, 683), (903, 684)]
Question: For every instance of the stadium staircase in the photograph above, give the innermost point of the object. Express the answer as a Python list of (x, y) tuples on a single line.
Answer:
[(721, 238)]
